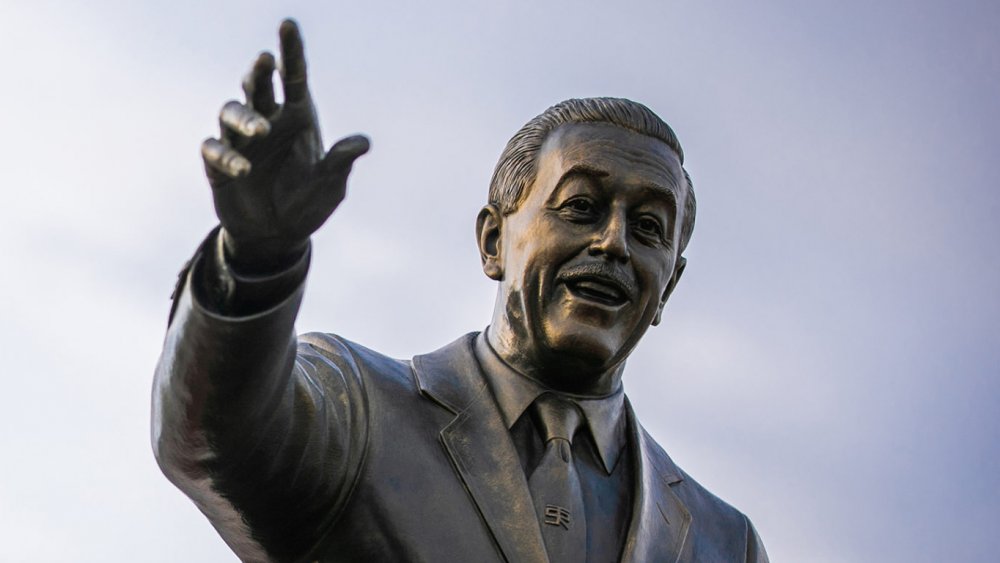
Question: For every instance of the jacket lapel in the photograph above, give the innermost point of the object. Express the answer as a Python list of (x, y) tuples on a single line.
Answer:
[(481, 450), (493, 476), (660, 521)]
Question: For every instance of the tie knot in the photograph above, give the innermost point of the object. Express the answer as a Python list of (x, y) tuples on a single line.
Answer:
[(556, 417)]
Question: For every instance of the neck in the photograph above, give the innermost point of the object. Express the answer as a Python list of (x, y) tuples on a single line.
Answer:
[(560, 371)]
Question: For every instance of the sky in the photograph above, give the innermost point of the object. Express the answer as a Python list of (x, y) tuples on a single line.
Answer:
[(829, 364)]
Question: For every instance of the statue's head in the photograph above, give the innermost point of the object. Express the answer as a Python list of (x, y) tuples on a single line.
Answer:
[(589, 211)]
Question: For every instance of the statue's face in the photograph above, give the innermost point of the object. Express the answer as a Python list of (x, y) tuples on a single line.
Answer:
[(589, 256)]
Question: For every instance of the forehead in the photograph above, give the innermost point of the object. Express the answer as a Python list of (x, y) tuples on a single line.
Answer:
[(624, 156)]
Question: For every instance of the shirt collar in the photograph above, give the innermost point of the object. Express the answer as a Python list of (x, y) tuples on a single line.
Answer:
[(514, 392)]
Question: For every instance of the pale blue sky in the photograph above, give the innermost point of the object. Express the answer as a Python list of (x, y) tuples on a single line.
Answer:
[(830, 363)]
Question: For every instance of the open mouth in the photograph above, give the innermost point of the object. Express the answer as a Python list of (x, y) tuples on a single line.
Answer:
[(598, 290)]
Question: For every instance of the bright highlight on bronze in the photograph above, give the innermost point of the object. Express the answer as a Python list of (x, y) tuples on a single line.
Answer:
[(224, 159), (244, 120)]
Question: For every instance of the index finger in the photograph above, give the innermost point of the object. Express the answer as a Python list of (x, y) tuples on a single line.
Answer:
[(293, 62)]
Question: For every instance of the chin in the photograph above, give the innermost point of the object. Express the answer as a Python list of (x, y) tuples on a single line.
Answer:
[(585, 349)]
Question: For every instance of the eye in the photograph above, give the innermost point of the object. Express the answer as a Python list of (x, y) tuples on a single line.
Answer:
[(579, 209), (649, 227)]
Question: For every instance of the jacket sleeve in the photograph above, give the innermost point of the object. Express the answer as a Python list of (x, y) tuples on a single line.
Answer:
[(264, 434)]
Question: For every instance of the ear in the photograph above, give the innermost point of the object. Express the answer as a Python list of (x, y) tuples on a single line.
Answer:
[(489, 226), (678, 270)]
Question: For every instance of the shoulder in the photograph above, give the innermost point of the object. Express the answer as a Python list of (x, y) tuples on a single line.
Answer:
[(367, 368), (716, 526), (698, 499), (346, 352)]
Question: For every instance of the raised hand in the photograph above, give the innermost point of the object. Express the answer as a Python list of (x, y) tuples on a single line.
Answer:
[(272, 184)]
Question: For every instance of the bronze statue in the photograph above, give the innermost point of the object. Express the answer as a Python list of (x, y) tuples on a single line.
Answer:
[(515, 444)]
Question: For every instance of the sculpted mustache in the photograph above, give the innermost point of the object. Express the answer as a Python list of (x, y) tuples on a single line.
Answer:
[(601, 271)]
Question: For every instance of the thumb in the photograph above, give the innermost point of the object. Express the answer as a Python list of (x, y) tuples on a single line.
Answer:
[(341, 156)]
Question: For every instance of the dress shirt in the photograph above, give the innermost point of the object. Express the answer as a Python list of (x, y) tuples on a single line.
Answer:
[(601, 451)]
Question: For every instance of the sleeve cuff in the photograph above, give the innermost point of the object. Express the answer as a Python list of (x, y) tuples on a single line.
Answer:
[(224, 291)]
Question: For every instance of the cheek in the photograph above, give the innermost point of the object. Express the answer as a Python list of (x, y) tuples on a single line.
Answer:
[(535, 249), (657, 275), (522, 259)]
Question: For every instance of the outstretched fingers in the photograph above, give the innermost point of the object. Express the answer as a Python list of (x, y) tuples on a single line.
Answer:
[(237, 124), (222, 158), (293, 62), (258, 85)]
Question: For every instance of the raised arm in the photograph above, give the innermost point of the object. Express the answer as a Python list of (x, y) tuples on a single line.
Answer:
[(263, 433)]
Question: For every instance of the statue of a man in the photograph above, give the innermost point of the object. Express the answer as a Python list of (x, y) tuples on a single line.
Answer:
[(514, 444)]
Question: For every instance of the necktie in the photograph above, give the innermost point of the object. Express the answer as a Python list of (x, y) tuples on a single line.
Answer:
[(555, 485)]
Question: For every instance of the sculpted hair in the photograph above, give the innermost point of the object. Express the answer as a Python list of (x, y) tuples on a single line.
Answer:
[(517, 166)]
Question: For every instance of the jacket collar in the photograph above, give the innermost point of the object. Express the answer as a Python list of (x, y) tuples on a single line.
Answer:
[(493, 475)]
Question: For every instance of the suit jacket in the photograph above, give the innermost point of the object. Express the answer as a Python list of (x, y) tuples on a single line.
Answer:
[(320, 449)]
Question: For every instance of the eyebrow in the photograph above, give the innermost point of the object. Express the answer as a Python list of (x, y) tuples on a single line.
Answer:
[(656, 191), (580, 170), (650, 189)]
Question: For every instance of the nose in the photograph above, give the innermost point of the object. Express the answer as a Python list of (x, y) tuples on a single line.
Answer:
[(611, 239)]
